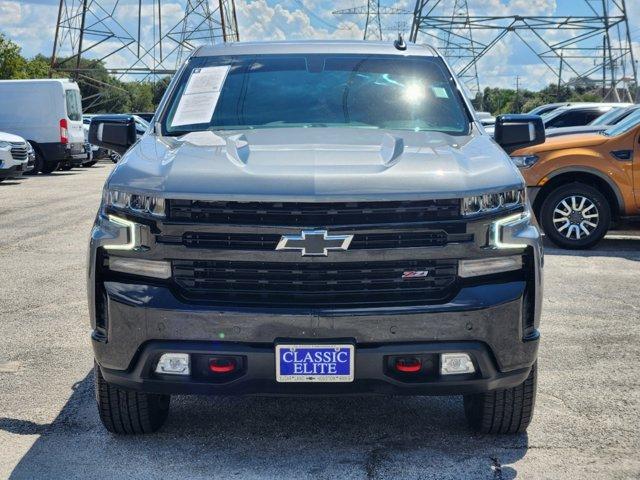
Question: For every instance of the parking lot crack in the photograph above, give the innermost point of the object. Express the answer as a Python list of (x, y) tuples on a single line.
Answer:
[(497, 468)]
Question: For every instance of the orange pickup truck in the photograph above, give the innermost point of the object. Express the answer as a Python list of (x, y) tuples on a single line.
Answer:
[(579, 185)]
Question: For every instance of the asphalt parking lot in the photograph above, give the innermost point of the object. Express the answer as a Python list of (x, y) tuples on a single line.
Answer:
[(586, 424)]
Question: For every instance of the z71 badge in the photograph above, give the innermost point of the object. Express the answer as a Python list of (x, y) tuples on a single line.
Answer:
[(415, 274)]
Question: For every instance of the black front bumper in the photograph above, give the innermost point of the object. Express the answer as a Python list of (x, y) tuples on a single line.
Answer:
[(11, 172), (372, 375), (484, 321)]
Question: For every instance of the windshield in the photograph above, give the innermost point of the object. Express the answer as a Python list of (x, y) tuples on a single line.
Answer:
[(355, 91), (608, 117), (74, 105), (624, 126)]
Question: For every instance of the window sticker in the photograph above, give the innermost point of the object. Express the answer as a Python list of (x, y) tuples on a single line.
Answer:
[(200, 97), (439, 92)]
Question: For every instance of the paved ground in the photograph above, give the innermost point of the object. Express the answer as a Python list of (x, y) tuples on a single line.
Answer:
[(586, 424)]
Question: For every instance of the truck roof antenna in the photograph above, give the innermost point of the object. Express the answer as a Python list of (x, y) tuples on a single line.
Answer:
[(399, 43)]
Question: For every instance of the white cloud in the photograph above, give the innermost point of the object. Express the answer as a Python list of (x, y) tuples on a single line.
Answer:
[(31, 24)]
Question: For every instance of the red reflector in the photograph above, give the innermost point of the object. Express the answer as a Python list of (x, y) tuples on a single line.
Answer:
[(408, 365), (64, 131), (222, 365)]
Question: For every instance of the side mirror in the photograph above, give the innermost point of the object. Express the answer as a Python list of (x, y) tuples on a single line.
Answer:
[(516, 131), (113, 132)]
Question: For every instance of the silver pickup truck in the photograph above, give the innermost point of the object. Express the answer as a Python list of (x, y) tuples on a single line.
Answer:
[(315, 218)]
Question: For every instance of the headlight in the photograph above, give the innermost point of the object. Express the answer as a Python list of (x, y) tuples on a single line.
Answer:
[(134, 203), (492, 202), (4, 144), (524, 161), (30, 149)]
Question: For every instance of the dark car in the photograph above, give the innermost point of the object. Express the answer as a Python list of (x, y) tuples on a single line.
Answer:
[(577, 115)]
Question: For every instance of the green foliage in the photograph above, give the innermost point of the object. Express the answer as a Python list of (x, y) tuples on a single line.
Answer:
[(12, 64), (101, 93), (501, 100)]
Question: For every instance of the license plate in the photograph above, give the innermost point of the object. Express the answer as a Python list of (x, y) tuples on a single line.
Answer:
[(314, 363)]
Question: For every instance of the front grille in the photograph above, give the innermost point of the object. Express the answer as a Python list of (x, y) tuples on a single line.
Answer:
[(361, 241), (315, 284), (301, 214), (19, 151)]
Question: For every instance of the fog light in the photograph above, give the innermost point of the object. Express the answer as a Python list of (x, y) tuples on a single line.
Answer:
[(140, 266), (174, 364), (455, 363)]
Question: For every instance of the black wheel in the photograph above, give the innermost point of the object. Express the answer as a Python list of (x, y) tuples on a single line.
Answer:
[(65, 167), (125, 412), (503, 411), (38, 164), (49, 167), (115, 157), (90, 164), (575, 216)]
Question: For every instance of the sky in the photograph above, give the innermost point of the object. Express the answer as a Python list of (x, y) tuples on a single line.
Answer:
[(31, 24)]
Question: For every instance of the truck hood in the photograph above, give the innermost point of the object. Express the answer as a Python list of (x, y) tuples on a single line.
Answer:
[(315, 163), (9, 137), (576, 140)]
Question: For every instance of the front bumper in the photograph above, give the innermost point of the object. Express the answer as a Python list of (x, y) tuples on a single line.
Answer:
[(11, 168), (258, 373), (485, 321)]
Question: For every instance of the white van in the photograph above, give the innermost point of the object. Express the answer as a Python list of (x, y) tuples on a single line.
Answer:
[(48, 114)]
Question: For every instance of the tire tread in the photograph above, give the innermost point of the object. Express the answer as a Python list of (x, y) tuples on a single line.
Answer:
[(503, 411), (126, 412)]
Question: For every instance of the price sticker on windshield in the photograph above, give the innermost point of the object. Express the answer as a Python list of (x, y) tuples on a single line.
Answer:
[(200, 96)]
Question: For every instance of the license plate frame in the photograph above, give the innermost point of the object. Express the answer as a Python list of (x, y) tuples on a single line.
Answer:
[(318, 377)]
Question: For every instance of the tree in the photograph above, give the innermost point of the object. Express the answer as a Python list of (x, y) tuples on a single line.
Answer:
[(12, 64)]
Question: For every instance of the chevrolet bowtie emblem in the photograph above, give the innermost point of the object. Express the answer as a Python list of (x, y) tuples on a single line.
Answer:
[(314, 242)]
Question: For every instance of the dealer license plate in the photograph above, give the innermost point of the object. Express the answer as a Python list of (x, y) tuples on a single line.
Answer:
[(314, 363)]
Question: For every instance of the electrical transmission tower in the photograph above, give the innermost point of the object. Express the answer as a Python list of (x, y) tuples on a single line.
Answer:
[(139, 40), (592, 49), (458, 45), (372, 11)]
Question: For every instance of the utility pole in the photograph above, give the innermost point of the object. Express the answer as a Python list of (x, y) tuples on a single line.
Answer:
[(517, 94), (604, 67), (560, 76)]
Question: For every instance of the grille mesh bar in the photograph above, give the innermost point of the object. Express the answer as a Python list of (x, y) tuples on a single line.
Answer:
[(314, 285), (302, 214), (361, 241), (19, 151)]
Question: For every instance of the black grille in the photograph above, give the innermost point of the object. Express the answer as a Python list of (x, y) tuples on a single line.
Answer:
[(312, 214), (315, 285), (19, 151), (361, 241)]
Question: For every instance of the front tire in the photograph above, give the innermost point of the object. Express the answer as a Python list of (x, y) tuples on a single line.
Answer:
[(508, 410), (38, 164), (575, 216), (49, 167), (124, 412)]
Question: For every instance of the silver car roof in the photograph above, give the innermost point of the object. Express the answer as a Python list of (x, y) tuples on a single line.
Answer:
[(314, 46)]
